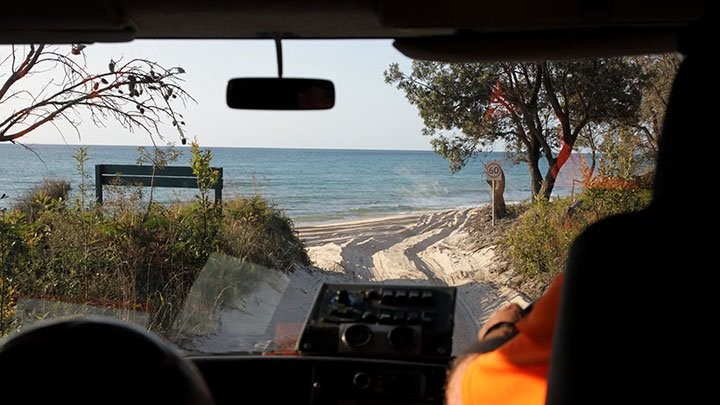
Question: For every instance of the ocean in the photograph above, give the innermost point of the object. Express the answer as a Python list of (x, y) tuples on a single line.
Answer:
[(310, 185)]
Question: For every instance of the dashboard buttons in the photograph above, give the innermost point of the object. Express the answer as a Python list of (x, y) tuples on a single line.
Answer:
[(414, 297), (428, 298), (342, 297), (427, 317), (372, 294), (394, 320), (385, 317), (387, 297), (369, 316), (413, 318)]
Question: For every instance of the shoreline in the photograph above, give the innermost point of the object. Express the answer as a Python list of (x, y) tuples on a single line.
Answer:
[(380, 217)]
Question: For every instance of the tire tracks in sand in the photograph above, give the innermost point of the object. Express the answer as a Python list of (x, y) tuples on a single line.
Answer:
[(431, 249)]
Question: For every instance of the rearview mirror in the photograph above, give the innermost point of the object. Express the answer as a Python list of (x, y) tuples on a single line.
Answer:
[(269, 93)]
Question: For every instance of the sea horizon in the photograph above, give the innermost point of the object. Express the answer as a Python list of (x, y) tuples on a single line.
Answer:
[(311, 185), (187, 146)]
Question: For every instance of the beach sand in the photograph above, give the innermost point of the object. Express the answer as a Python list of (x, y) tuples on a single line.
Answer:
[(430, 248)]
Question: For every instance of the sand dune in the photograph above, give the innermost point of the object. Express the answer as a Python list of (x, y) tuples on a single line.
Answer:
[(431, 248)]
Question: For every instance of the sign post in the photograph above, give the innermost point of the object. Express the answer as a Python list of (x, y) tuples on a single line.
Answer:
[(492, 201), (493, 173)]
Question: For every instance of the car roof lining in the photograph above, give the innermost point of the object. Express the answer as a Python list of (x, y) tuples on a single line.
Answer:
[(457, 30)]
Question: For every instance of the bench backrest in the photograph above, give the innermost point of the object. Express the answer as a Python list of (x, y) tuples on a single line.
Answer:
[(133, 175)]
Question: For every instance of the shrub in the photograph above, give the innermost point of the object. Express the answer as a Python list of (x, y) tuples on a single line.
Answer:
[(40, 197), (261, 234), (14, 234), (109, 256), (608, 200), (538, 244)]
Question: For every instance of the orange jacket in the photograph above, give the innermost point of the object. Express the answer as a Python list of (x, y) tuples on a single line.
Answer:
[(516, 373)]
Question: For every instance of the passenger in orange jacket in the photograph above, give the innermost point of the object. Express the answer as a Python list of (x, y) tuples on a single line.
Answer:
[(509, 364)]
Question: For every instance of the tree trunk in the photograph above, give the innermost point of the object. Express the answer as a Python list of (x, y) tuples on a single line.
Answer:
[(533, 162), (536, 178), (549, 182), (500, 208)]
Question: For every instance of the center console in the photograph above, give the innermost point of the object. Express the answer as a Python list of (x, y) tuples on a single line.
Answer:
[(402, 322), (361, 344)]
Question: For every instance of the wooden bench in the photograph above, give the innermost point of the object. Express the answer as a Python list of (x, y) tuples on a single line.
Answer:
[(133, 175)]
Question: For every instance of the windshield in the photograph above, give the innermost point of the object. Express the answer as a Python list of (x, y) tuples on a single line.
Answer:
[(471, 175)]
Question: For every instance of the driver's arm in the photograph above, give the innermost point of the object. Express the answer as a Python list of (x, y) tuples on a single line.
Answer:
[(509, 363), (497, 330)]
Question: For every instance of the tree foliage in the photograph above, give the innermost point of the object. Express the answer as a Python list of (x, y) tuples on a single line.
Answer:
[(137, 93), (629, 151), (539, 109), (659, 72)]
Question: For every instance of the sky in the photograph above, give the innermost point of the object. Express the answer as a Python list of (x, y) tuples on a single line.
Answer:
[(368, 113)]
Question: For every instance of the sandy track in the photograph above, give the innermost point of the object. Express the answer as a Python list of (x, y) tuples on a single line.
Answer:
[(431, 248)]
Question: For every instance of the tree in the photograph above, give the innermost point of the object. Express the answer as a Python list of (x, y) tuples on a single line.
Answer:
[(659, 74), (139, 93), (539, 109), (629, 150)]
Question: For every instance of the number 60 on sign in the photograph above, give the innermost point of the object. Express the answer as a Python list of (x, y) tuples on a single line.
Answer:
[(493, 171)]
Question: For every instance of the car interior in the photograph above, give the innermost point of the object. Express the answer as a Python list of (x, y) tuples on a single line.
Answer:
[(646, 344)]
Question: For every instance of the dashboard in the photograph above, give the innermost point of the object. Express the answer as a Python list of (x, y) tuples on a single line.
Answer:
[(361, 344), (321, 380)]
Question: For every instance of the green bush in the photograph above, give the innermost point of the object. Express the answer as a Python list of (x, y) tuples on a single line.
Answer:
[(15, 236), (603, 202), (261, 234), (538, 244), (50, 191), (109, 256)]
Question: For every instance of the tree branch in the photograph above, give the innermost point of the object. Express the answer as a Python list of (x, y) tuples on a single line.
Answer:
[(29, 62), (129, 93), (560, 113)]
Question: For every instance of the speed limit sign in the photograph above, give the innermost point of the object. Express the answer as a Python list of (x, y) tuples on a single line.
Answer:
[(493, 171)]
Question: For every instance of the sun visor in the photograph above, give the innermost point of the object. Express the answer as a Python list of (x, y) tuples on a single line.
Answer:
[(548, 45), (63, 22)]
